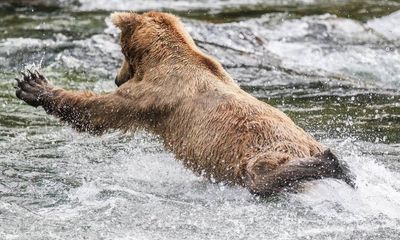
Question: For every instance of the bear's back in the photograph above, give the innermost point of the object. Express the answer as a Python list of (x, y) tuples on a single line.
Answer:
[(218, 130)]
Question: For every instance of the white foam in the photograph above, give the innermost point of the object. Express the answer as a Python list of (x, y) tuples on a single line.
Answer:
[(388, 26)]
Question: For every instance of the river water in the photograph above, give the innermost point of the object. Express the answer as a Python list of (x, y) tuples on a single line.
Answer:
[(333, 66)]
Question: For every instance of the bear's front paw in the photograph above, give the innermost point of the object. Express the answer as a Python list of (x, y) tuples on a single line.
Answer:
[(33, 88)]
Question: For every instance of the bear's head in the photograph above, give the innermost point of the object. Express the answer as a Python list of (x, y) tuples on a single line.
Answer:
[(148, 39)]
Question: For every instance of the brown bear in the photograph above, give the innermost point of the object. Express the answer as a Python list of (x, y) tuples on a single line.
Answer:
[(167, 86)]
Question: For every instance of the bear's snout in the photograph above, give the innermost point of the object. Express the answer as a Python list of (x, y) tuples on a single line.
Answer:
[(116, 81)]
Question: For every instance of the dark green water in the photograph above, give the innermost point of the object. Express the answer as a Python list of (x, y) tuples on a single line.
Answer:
[(333, 66)]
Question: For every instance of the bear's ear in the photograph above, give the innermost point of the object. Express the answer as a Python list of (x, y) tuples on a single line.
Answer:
[(125, 19)]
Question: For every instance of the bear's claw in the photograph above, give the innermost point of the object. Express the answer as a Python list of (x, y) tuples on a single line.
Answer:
[(33, 88)]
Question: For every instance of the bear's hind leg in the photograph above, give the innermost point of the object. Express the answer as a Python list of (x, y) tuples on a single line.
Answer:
[(261, 180)]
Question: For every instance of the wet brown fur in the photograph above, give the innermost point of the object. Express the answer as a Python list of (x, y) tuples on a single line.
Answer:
[(169, 87)]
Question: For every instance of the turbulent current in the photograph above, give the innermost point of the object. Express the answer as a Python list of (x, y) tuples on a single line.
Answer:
[(332, 66)]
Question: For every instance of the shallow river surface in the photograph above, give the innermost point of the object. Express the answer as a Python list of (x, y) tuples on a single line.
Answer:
[(332, 66)]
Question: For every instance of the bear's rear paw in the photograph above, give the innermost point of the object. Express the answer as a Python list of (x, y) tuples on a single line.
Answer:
[(33, 88)]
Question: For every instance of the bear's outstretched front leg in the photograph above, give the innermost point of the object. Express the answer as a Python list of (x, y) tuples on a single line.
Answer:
[(85, 111), (33, 88)]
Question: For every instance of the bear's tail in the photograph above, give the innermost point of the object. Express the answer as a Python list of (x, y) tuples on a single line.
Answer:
[(290, 175)]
